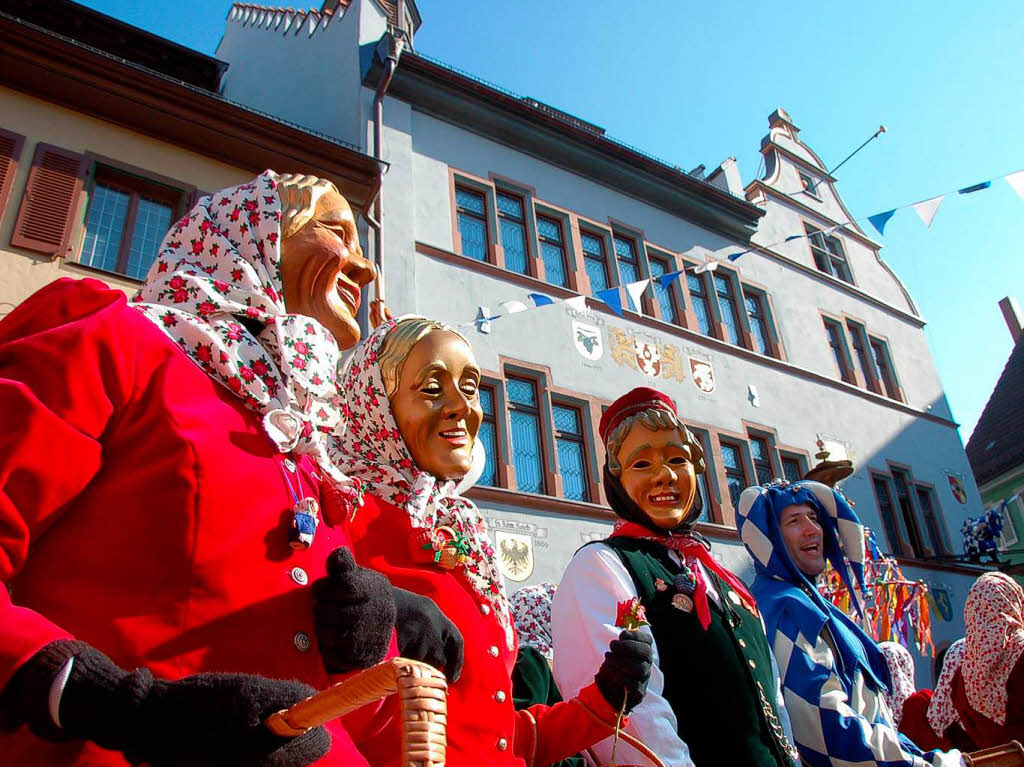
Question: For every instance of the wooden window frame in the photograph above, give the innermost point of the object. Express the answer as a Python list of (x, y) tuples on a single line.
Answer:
[(738, 441), (922, 549), (604, 236), (560, 219), (668, 261), (867, 377), (900, 546), (17, 145), (768, 437), (494, 386), (692, 320), (827, 255), (801, 174), (714, 511), (489, 218), (941, 547), (526, 222), (846, 370), (138, 184), (890, 384), (739, 317), (584, 440), (798, 458), (761, 296), (637, 241), (38, 216)]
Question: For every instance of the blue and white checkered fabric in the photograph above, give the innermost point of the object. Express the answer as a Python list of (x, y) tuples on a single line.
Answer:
[(833, 675)]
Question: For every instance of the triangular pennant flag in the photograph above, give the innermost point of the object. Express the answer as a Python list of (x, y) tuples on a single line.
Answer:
[(879, 220), (635, 290), (794, 237), (668, 279), (1016, 180), (707, 266), (577, 303), (734, 256), (928, 208), (611, 297), (512, 306), (539, 299), (975, 187)]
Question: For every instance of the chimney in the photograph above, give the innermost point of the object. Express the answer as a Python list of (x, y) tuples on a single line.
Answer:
[(1011, 313)]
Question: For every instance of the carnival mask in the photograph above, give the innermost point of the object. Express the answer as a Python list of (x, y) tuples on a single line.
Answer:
[(322, 265), (437, 404), (658, 474)]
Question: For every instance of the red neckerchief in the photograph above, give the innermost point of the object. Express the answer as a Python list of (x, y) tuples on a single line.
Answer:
[(691, 550)]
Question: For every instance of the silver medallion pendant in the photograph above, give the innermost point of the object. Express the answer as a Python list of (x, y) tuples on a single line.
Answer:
[(682, 602)]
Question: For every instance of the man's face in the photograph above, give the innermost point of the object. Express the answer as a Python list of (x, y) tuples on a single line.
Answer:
[(437, 404), (323, 269), (657, 474), (803, 538)]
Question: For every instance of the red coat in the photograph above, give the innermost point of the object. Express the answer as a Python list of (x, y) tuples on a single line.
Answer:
[(484, 730), (982, 730), (142, 510)]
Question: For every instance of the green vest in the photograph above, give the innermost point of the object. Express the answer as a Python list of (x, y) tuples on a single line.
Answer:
[(719, 682)]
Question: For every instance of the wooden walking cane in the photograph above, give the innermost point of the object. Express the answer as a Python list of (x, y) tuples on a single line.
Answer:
[(1009, 755), (422, 692)]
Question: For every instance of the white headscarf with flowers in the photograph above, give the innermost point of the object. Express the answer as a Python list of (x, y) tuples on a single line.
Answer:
[(531, 606), (941, 711), (993, 642), (901, 669), (221, 261), (370, 447)]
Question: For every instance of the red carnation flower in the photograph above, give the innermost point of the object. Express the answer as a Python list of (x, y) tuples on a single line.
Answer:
[(221, 286), (260, 367), (169, 320), (180, 296), (631, 615), (204, 353), (301, 347), (235, 384), (247, 373), (206, 308)]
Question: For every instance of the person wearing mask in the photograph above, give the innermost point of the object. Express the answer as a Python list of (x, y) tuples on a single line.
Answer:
[(834, 677)]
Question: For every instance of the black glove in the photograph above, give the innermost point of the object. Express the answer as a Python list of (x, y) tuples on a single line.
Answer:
[(205, 720), (353, 614), (626, 669), (426, 634)]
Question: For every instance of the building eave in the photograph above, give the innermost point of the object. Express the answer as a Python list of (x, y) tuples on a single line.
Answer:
[(471, 104), (48, 66)]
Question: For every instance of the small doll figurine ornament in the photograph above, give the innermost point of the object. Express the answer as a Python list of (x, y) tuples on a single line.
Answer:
[(305, 518)]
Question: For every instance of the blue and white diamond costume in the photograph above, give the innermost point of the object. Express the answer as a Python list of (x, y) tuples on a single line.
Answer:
[(833, 675)]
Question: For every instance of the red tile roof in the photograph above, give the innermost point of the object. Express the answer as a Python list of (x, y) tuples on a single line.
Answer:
[(997, 443)]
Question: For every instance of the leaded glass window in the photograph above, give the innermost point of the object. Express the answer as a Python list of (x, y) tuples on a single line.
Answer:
[(699, 297), (880, 352), (524, 421), (662, 292), (828, 253), (104, 227), (735, 472), (629, 267), (931, 520), (488, 436), (595, 261), (791, 469), (727, 308), (513, 232), (552, 250), (761, 454), (571, 452), (471, 210), (887, 513), (758, 322), (838, 347)]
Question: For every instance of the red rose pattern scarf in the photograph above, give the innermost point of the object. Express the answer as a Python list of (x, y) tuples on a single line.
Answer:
[(221, 261), (369, 446)]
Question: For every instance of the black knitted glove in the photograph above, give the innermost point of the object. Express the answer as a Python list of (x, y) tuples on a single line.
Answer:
[(426, 634), (353, 614), (626, 669), (204, 720)]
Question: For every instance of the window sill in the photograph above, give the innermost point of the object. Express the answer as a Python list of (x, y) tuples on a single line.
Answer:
[(964, 568), (105, 273), (533, 502)]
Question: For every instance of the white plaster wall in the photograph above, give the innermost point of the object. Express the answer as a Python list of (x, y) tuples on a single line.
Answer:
[(311, 79)]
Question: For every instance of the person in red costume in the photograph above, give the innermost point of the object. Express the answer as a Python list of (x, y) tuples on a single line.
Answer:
[(165, 502), (412, 412)]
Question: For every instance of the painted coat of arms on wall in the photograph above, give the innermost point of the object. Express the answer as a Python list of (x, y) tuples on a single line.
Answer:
[(587, 340), (703, 375), (515, 555), (645, 355), (957, 487)]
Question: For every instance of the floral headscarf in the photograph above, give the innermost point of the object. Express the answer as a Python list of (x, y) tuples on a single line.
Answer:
[(993, 642), (941, 712), (901, 668), (369, 447), (219, 263), (531, 606)]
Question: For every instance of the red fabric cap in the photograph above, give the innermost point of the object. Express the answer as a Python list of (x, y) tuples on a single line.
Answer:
[(640, 398)]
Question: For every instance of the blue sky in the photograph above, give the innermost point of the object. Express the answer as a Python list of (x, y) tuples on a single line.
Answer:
[(693, 82)]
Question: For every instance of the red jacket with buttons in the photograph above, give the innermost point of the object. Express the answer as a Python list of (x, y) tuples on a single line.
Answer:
[(484, 729), (142, 510)]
